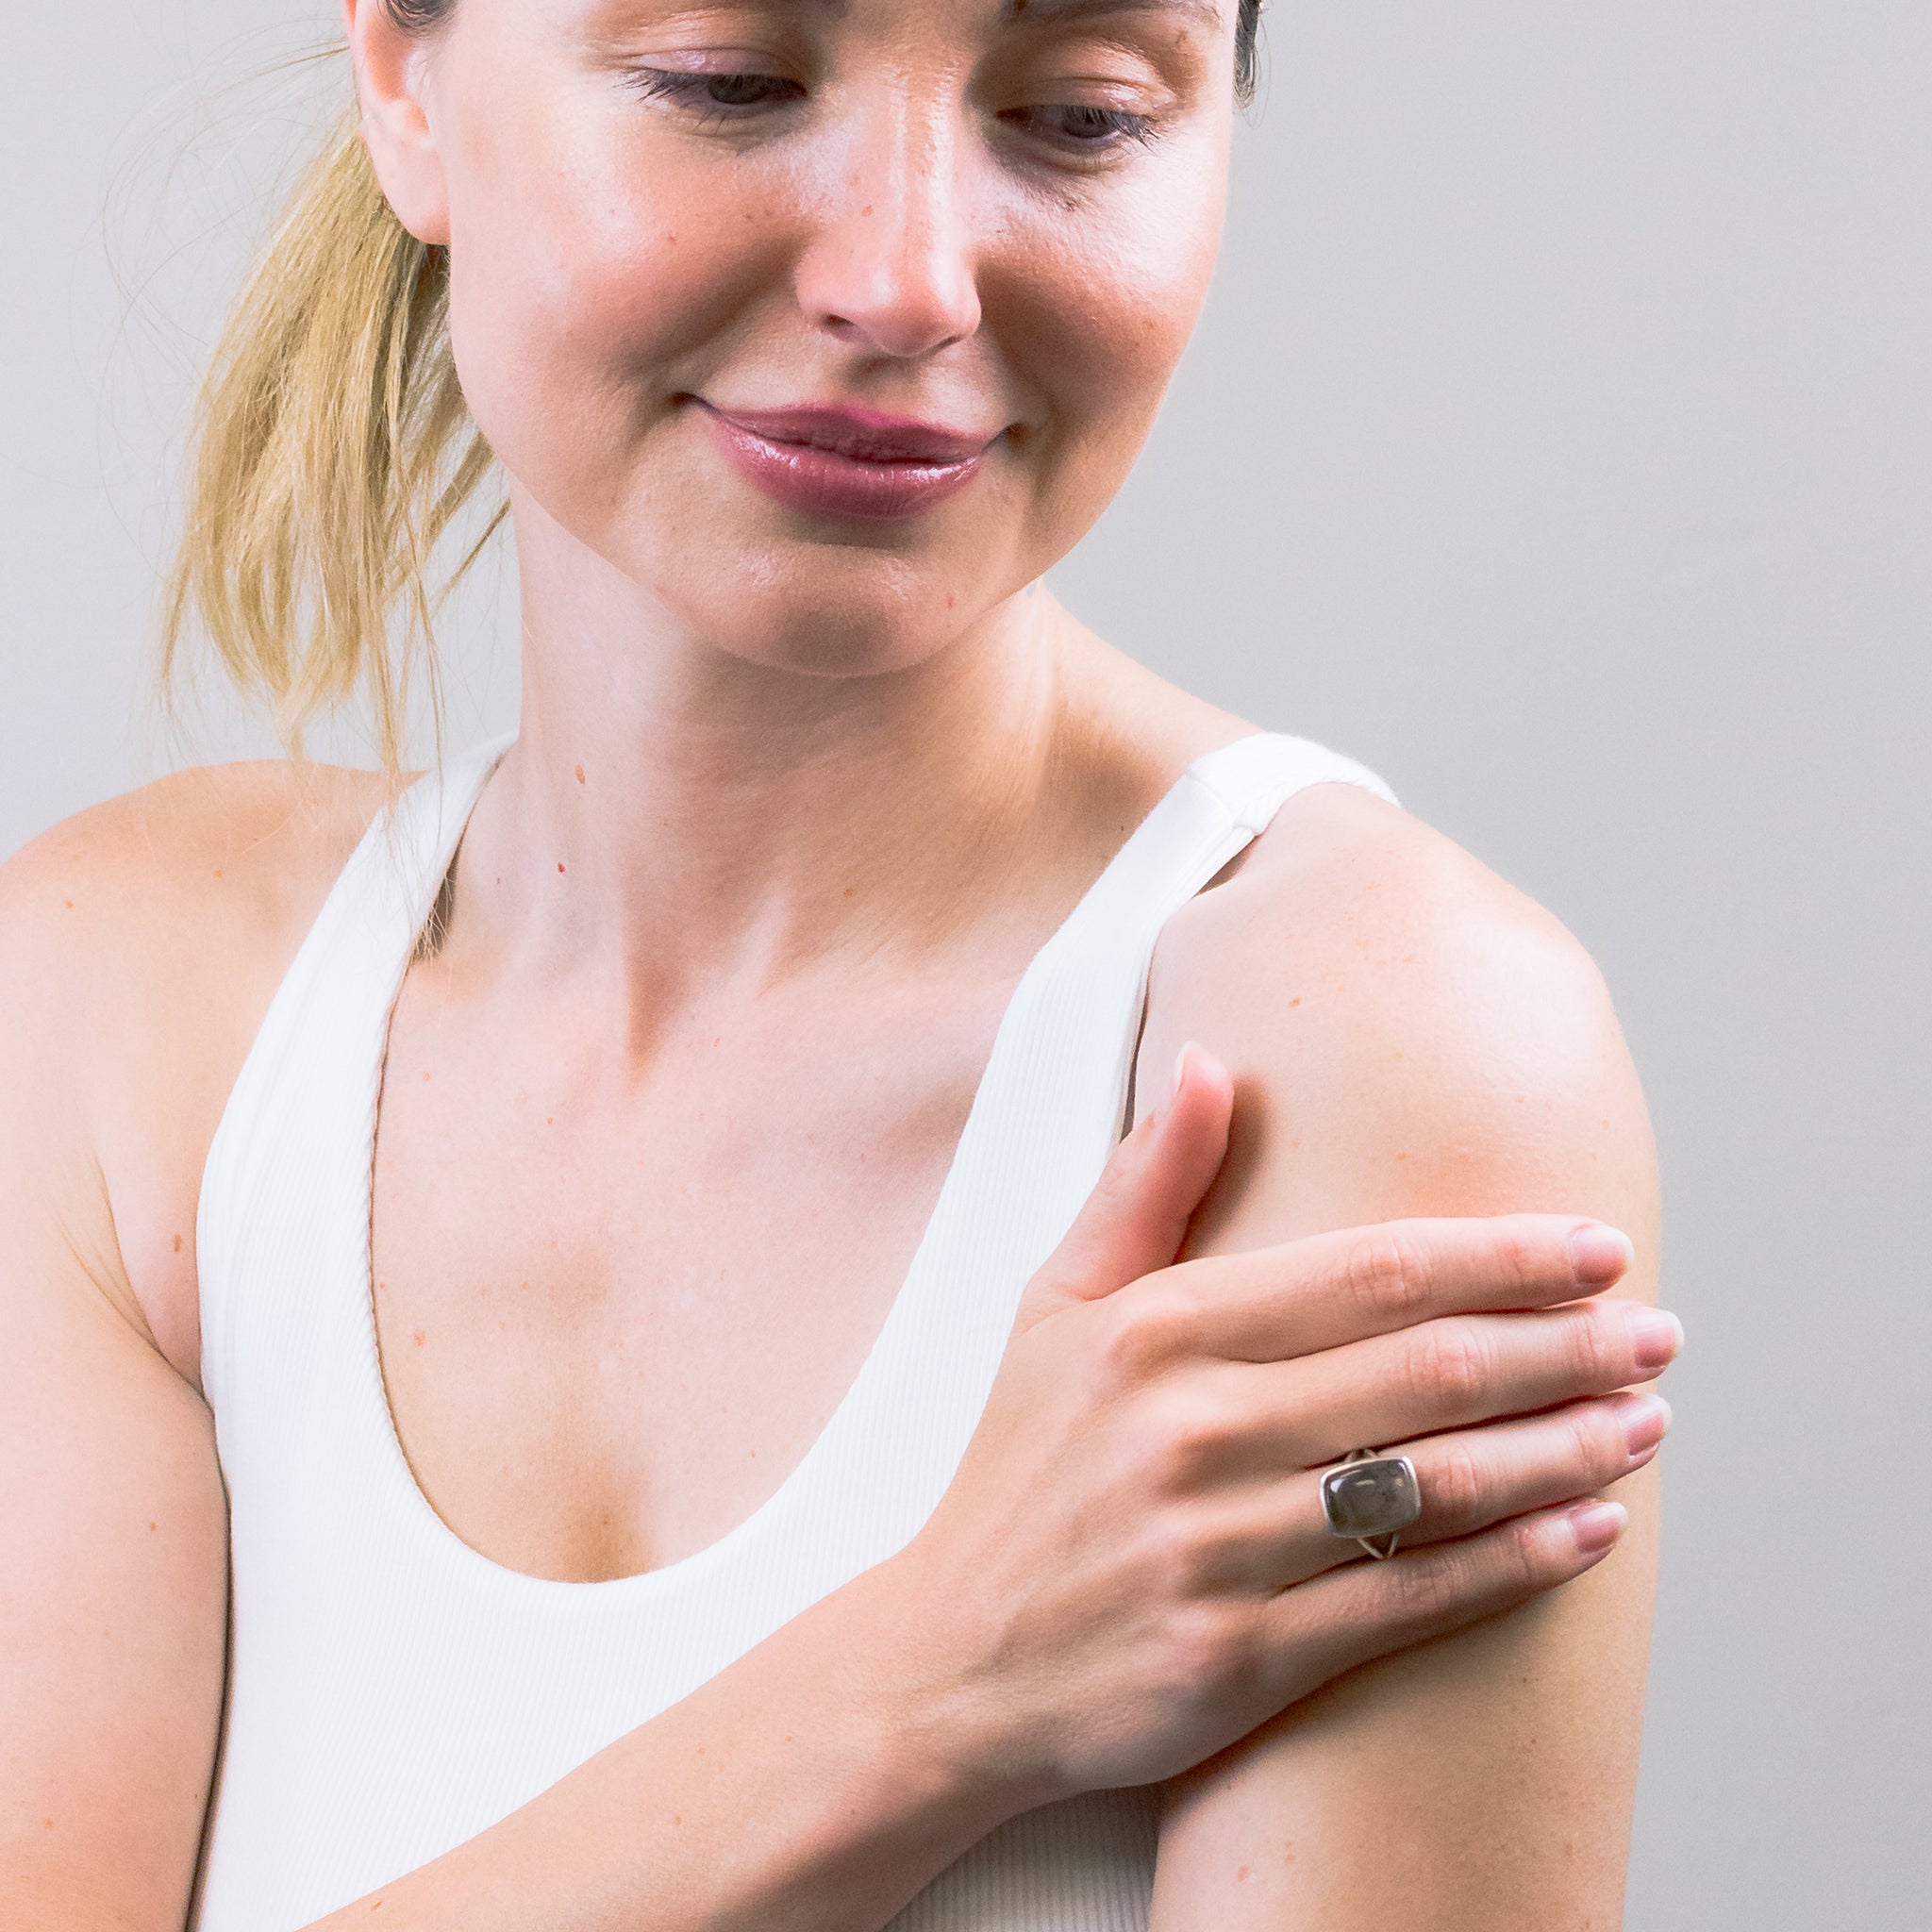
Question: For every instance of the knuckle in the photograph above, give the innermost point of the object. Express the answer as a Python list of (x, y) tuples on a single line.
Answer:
[(1456, 1487), (1213, 1648), (1520, 1561), (1171, 1560), (1189, 1433), (1598, 1450), (1420, 1595), (1521, 1260), (1449, 1366), (1388, 1275), (1596, 1353), (1143, 1332)]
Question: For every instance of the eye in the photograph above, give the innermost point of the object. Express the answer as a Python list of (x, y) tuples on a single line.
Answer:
[(717, 97), (1081, 130)]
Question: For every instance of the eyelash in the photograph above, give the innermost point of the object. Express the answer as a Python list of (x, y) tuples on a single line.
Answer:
[(1100, 129), (692, 91)]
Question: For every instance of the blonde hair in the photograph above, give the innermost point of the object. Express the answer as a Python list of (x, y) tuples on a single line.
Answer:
[(332, 451)]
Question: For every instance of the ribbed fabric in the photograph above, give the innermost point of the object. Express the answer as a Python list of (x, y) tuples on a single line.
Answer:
[(393, 1692)]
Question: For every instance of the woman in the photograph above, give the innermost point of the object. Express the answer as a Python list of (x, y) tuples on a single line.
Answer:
[(599, 1245)]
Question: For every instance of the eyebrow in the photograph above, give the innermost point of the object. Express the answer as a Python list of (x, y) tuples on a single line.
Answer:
[(1055, 12)]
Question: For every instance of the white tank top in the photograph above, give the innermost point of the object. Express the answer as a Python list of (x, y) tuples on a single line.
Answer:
[(391, 1693)]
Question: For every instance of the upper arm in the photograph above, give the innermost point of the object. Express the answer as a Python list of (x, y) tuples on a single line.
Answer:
[(1407, 1037), (113, 1588), (139, 946)]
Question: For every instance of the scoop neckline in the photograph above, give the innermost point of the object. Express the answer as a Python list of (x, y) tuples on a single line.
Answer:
[(692, 1568)]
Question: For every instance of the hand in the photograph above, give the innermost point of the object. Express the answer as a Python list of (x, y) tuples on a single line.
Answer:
[(1132, 1571)]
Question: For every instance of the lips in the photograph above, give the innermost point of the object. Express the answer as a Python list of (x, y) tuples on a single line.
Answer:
[(847, 463)]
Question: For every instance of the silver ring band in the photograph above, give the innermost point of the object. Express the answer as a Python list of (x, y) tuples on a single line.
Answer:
[(1369, 1498)]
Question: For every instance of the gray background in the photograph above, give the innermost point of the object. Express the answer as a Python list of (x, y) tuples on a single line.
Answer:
[(1558, 441)]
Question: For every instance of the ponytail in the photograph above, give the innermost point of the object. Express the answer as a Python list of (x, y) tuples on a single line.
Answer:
[(332, 451)]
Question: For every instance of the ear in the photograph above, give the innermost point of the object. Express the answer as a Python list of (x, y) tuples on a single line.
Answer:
[(392, 66)]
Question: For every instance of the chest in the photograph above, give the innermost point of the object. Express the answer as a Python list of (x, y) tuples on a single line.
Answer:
[(617, 1296)]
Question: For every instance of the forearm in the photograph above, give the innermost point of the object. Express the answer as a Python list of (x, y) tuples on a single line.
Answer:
[(814, 1786)]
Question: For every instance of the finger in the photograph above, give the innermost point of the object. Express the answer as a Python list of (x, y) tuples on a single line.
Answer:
[(1449, 1374), (1345, 1617), (1277, 1535), (1327, 1289), (1137, 1217), (1270, 1536), (1472, 1480)]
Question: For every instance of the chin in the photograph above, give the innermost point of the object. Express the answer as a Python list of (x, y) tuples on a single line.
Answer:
[(820, 597), (850, 614)]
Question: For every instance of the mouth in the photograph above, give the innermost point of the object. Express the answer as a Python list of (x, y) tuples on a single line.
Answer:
[(847, 463)]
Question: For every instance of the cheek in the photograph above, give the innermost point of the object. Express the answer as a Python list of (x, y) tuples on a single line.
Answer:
[(584, 278), (1100, 303)]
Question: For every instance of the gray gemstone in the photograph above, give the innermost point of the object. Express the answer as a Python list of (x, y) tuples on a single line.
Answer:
[(1371, 1498)]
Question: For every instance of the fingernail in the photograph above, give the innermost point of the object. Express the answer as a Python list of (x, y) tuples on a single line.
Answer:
[(1599, 1255), (1654, 1338), (1180, 1065), (1597, 1525), (1647, 1419)]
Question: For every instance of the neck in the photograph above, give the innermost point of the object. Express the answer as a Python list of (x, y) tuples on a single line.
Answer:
[(681, 818)]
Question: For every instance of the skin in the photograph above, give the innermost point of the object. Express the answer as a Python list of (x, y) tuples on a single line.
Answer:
[(793, 803)]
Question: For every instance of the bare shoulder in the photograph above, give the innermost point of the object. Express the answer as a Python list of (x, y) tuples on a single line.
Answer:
[(139, 945), (199, 841), (1409, 1033)]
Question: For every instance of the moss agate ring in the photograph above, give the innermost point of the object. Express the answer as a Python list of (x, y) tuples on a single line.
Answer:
[(1370, 1498)]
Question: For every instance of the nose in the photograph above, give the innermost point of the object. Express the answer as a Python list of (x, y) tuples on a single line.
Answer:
[(889, 269)]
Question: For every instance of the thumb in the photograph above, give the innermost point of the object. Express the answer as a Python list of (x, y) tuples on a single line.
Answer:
[(1137, 1217)]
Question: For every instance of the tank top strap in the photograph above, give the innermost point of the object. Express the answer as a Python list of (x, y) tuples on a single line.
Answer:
[(1255, 777), (323, 1038), (1052, 1105)]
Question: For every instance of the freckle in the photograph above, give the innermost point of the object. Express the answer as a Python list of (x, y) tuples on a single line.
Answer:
[(70, 905), (218, 871), (850, 889), (580, 775), (549, 1120), (177, 1244), (421, 1336), (1297, 1001), (47, 1824), (154, 1525)]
